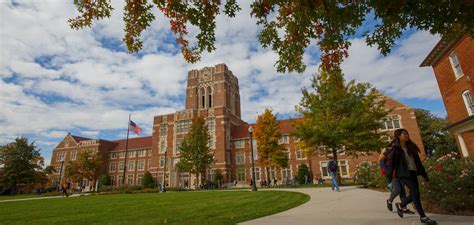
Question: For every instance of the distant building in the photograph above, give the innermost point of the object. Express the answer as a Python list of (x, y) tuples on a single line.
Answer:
[(213, 93), (453, 65)]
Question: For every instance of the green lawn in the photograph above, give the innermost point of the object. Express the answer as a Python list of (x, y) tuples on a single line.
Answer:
[(8, 197), (213, 207)]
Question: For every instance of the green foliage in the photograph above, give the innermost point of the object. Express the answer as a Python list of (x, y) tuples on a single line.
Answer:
[(89, 166), (302, 171), (339, 116), (369, 175), (195, 154), (436, 140), (267, 134), (103, 181), (288, 27), (218, 177), (451, 183), (147, 181), (22, 164)]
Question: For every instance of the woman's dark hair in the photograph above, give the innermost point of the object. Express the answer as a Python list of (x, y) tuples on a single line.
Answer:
[(412, 148)]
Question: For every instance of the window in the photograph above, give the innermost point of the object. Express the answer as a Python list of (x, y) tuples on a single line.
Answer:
[(149, 164), (131, 165), (286, 173), (132, 154), (343, 168), (58, 168), (163, 129), (61, 156), (272, 173), (257, 174), (120, 179), (73, 155), (113, 155), (183, 126), (289, 153), (468, 102), (121, 165), (210, 174), (162, 161), (122, 155), (453, 58), (240, 158), (148, 152), (241, 174), (112, 180), (130, 179), (239, 144), (209, 92), (141, 153), (324, 168), (141, 164), (299, 154), (211, 125), (255, 150), (112, 167), (139, 179), (163, 147), (179, 142), (284, 139), (390, 122)]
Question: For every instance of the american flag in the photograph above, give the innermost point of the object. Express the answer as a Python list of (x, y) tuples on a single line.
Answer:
[(133, 127)]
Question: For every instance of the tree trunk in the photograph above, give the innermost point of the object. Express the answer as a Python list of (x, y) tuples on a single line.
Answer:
[(334, 155)]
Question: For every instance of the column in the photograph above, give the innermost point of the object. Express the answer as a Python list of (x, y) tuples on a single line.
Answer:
[(462, 144)]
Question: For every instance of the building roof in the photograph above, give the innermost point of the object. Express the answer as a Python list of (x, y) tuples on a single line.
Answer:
[(242, 131), (439, 50), (79, 139), (133, 143)]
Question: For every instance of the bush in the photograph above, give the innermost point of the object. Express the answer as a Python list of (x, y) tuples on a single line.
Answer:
[(451, 184), (303, 174), (369, 175), (147, 181)]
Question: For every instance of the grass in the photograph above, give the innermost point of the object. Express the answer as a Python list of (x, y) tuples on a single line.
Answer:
[(9, 197), (212, 207)]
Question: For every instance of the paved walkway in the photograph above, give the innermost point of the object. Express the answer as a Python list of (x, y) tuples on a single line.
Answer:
[(351, 206)]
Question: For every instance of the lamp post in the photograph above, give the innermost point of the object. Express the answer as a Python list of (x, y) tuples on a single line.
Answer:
[(254, 185)]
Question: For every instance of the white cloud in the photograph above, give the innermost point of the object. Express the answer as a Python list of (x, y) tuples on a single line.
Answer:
[(56, 80)]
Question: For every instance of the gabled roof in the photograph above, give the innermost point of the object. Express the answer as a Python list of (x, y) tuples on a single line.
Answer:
[(79, 139), (242, 131), (133, 143)]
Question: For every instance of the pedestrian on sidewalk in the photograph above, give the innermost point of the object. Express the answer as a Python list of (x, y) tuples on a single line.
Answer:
[(406, 167), (332, 168), (64, 188), (385, 162)]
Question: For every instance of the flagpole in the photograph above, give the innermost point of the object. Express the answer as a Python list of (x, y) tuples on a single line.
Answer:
[(126, 150)]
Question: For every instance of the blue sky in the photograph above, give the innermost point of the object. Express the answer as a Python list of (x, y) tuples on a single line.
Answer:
[(56, 80)]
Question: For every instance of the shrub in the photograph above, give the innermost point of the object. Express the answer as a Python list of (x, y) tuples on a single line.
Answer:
[(303, 174), (369, 175), (147, 181), (451, 184)]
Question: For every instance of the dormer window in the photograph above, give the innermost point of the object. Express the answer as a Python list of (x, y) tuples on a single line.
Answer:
[(453, 58)]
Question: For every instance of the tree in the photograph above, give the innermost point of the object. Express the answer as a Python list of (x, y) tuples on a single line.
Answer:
[(435, 139), (340, 116), (89, 166), (195, 154), (218, 177), (303, 174), (147, 181), (21, 163), (267, 134), (327, 23)]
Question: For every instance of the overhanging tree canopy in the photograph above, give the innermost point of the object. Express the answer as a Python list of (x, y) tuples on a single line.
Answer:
[(329, 23)]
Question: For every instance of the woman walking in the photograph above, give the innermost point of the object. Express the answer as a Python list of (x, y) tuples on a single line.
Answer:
[(407, 166)]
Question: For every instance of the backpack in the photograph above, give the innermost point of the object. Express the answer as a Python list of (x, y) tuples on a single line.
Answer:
[(388, 163), (332, 167)]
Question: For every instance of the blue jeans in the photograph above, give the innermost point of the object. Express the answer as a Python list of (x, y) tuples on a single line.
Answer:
[(334, 184)]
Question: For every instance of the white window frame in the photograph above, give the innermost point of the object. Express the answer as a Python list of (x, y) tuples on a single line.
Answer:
[(141, 164), (241, 174), (388, 123), (455, 65), (121, 165), (258, 174), (467, 97), (162, 161), (239, 144), (240, 158), (131, 165), (285, 139), (73, 155), (301, 154), (344, 162), (112, 167), (286, 170)]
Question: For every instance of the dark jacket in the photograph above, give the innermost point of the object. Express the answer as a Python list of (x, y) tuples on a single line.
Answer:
[(400, 165)]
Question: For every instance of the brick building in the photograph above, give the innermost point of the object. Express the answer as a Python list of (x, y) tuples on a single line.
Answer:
[(213, 93), (453, 65)]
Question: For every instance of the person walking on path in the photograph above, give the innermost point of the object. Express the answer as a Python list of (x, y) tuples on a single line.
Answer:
[(406, 166), (64, 188), (393, 183), (332, 168)]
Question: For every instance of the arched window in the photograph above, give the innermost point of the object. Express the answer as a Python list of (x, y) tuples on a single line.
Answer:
[(467, 97), (209, 100), (203, 96)]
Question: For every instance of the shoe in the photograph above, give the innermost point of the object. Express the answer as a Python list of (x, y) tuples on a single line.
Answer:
[(427, 220), (399, 209), (389, 205), (407, 211)]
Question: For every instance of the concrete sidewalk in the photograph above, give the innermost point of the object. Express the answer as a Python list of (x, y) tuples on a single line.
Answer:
[(351, 206), (38, 198)]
